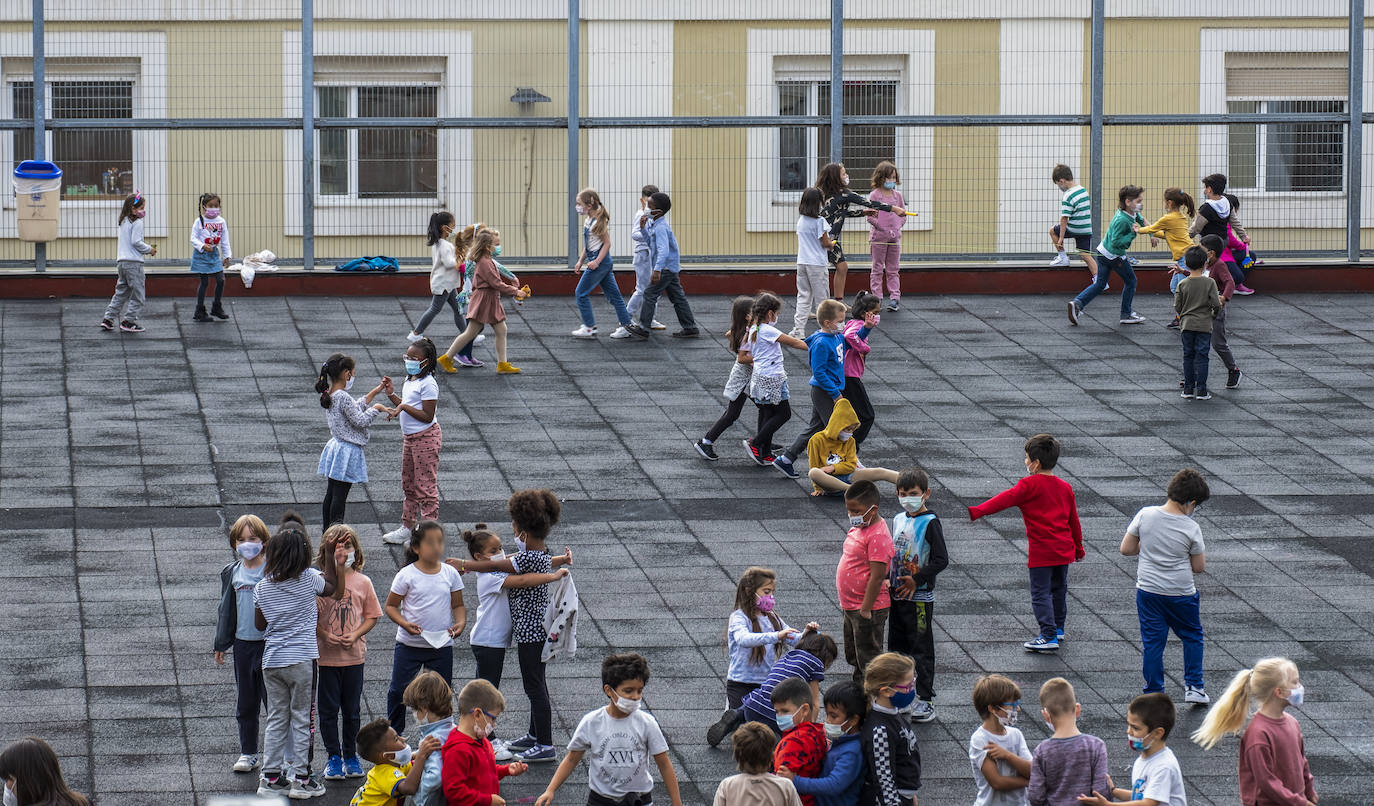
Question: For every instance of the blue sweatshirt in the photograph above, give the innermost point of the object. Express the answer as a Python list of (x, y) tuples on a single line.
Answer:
[(842, 774), (827, 361)]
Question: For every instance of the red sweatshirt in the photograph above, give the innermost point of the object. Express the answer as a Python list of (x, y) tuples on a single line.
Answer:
[(1273, 766), (802, 750), (470, 775), (1051, 518)]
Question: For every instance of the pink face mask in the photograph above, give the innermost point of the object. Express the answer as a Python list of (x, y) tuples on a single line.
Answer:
[(140, 213)]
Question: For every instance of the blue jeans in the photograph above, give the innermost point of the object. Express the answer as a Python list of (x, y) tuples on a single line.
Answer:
[(1105, 267), (1177, 278), (1196, 346), (1159, 614), (1049, 590), (604, 276), (406, 662)]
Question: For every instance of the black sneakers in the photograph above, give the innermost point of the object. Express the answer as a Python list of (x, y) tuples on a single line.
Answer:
[(218, 313), (201, 315), (724, 726), (707, 451), (1233, 378), (687, 333), (1203, 394)]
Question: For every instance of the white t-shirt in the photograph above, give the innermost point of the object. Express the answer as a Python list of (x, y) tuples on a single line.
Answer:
[(291, 613), (425, 600), (491, 626), (1167, 544), (767, 352), (1158, 778), (809, 249), (413, 392), (1011, 741), (618, 751), (594, 242)]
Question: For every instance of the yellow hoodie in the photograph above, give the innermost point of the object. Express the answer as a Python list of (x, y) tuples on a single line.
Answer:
[(826, 447)]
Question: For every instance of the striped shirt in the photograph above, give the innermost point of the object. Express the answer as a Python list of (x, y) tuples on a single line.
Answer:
[(797, 663), (1077, 207), (291, 614)]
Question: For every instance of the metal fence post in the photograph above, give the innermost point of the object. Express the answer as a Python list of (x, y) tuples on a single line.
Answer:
[(308, 134), (40, 113), (1354, 183), (574, 112), (1095, 115), (836, 80)]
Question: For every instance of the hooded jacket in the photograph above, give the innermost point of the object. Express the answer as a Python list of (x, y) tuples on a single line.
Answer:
[(842, 774), (826, 447)]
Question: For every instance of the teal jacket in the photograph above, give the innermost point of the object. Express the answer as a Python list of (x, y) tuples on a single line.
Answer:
[(1119, 233)]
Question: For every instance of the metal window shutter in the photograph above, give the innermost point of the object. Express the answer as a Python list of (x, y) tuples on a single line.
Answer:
[(1286, 75)]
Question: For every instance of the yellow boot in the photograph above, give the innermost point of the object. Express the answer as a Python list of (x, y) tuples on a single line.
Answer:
[(447, 363), (505, 368)]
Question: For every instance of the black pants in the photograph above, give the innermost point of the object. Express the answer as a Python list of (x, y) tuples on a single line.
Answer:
[(449, 298), (335, 500), (1049, 591), (728, 418), (537, 689), (406, 662), (341, 690), (735, 692), (252, 694), (857, 396), (491, 662), (911, 631), (204, 284), (822, 405), (772, 416), (632, 799)]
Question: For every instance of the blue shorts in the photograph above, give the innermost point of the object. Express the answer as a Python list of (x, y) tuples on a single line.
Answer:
[(1084, 241)]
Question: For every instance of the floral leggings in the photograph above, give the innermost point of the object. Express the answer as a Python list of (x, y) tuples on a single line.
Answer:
[(420, 475)]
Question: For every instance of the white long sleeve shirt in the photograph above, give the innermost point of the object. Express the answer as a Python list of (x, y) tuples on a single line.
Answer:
[(132, 247), (211, 229)]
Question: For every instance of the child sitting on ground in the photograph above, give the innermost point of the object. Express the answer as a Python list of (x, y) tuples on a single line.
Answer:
[(396, 771), (801, 750), (834, 455)]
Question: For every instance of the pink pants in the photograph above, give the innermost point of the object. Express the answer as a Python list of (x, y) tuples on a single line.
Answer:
[(420, 474), (886, 263)]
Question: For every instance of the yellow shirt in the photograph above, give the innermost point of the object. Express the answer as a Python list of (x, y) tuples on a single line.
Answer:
[(1174, 227), (381, 782)]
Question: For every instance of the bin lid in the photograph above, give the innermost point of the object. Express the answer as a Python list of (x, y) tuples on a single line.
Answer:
[(37, 169)]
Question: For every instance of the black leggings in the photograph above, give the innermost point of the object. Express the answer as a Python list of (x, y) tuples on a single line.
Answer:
[(772, 416), (537, 689), (857, 396), (727, 419), (205, 283), (335, 500)]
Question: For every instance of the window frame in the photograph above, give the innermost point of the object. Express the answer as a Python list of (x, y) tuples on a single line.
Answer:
[(62, 77), (352, 197), (1261, 167), (812, 78)]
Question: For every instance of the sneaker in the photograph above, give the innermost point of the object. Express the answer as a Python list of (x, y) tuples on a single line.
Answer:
[(687, 333), (1061, 259), (636, 329), (396, 537), (724, 726), (540, 753), (1074, 311), (754, 453), (585, 332), (523, 743), (333, 769), (353, 767), (1174, 325), (894, 305), (107, 324), (1133, 319), (413, 337), (1196, 696), (1242, 291), (247, 763), (305, 788), (500, 751), (481, 337), (620, 333), (657, 325), (1181, 382), (1187, 394), (797, 333), (707, 451), (469, 362), (506, 368), (447, 363), (1203, 394), (276, 786), (1233, 378), (1059, 635), (201, 316), (1041, 644), (784, 466), (922, 711), (218, 313), (130, 327)]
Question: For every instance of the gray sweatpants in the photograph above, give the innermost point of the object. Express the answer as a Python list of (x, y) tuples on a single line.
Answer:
[(128, 289), (1219, 340), (643, 271), (289, 742)]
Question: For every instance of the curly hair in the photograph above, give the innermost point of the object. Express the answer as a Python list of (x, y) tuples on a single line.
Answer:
[(534, 512)]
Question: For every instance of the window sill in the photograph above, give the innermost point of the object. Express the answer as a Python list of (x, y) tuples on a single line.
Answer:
[(343, 202), (1286, 195)]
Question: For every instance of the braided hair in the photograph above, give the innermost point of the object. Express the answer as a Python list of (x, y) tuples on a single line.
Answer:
[(205, 199)]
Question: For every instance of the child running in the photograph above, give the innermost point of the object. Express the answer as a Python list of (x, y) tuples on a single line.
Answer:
[(1173, 225), (997, 751), (737, 384), (644, 267), (833, 182), (484, 307), (426, 603), (445, 280), (596, 267), (863, 317), (210, 254), (235, 630), (421, 439), (344, 622), (1120, 233), (129, 254), (1156, 779), (885, 236), (826, 352), (919, 555), (813, 241), (892, 773), (342, 461), (1075, 220), (768, 382)]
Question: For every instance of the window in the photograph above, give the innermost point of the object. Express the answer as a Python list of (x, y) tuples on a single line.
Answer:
[(399, 163), (1286, 157), (802, 150), (96, 163)]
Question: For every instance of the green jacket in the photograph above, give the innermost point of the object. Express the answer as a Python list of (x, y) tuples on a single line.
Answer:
[(1197, 303), (1119, 233)]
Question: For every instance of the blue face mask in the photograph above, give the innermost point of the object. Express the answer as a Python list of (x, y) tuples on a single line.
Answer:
[(496, 250), (1138, 745), (890, 185), (901, 699), (413, 367), (785, 722)]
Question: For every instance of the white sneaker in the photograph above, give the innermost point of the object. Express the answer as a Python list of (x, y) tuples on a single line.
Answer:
[(246, 763), (1196, 696), (620, 333), (1133, 319), (797, 333), (413, 337), (481, 337), (1061, 259), (503, 753), (397, 537), (657, 325), (584, 332), (305, 788)]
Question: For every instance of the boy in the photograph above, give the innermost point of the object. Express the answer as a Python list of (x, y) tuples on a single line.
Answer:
[(1169, 544), (396, 772), (755, 785), (620, 738), (1075, 220), (470, 774), (1069, 763), (1052, 530), (801, 750), (826, 349), (807, 661), (644, 267), (842, 772), (1226, 288), (860, 575), (1156, 779), (920, 554), (429, 696), (833, 455), (998, 752), (1197, 305), (665, 264)]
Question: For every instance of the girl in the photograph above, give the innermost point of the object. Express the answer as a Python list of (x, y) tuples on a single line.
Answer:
[(813, 239), (445, 280), (738, 382), (343, 624), (1113, 248), (893, 764), (756, 635), (643, 267), (833, 182), (129, 265), (1173, 225), (885, 235), (600, 269), (210, 255), (32, 777), (286, 612), (426, 602), (421, 439), (485, 306), (236, 630), (342, 461), (863, 317), (1273, 764), (768, 383)]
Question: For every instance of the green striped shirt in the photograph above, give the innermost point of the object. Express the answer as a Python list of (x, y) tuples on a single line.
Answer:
[(1078, 208)]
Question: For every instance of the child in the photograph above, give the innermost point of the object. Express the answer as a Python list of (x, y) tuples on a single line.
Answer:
[(396, 770), (826, 348), (236, 630), (600, 268), (1273, 762), (885, 235), (1069, 763), (801, 749), (833, 182), (833, 454), (1226, 288), (421, 439), (644, 267), (754, 635), (768, 382), (30, 774), (892, 773), (997, 750), (430, 697), (666, 264), (813, 278), (344, 623), (1120, 233), (618, 741), (755, 785), (1173, 225), (918, 543), (1156, 779), (342, 461), (807, 661), (471, 776), (842, 772), (444, 276), (285, 610), (737, 384), (484, 307), (860, 577), (210, 254), (1053, 533), (426, 602), (129, 265), (1242, 258), (1197, 305), (863, 317), (1217, 212), (1075, 220)]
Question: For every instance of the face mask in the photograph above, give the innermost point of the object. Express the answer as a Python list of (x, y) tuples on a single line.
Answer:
[(211, 213), (140, 213), (496, 250), (833, 731), (845, 436), (786, 722), (766, 603), (11, 799), (580, 209), (402, 756), (901, 699), (1008, 721), (877, 318), (890, 185), (846, 181), (348, 384), (1295, 695), (349, 559), (912, 503), (413, 367), (1138, 745), (627, 706), (858, 520), (248, 549)]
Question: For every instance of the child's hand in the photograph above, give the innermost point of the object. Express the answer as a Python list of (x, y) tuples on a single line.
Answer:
[(560, 573), (457, 629), (411, 627), (497, 800), (786, 635), (653, 278), (783, 772), (341, 552), (996, 752), (219, 658), (817, 493), (907, 587), (866, 615), (1095, 799), (207, 249), (519, 297), (812, 626), (387, 385), (345, 641), (154, 252), (380, 407), (224, 263), (427, 746), (1154, 241), (827, 469), (899, 210), (517, 768), (567, 555), (871, 319)]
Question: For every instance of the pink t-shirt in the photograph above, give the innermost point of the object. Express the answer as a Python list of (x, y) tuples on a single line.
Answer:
[(339, 617), (863, 545)]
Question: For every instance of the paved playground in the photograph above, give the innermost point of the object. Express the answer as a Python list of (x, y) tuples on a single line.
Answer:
[(122, 456)]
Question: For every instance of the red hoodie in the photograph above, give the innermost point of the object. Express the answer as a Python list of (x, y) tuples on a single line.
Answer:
[(1051, 517), (470, 775), (802, 750)]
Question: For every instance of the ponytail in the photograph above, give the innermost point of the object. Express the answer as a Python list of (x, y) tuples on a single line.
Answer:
[(1228, 715), (334, 366), (1179, 198), (601, 219), (476, 537)]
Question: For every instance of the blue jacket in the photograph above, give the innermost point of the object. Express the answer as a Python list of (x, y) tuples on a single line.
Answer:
[(663, 252), (827, 361), (842, 774), (431, 791)]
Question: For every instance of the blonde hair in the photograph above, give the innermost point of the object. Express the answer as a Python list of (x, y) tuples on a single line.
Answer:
[(1228, 714), (601, 219), (483, 242), (1057, 696), (831, 310), (336, 531), (462, 241), (248, 523), (888, 669)]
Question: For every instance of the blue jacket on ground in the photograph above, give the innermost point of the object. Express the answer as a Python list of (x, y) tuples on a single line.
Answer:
[(842, 774), (827, 361)]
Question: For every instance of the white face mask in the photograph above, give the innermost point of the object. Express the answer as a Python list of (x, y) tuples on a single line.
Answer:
[(402, 756), (833, 731), (248, 549), (858, 520), (1295, 695), (11, 799), (1008, 721), (912, 503), (349, 560), (845, 436), (627, 706), (348, 384)]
